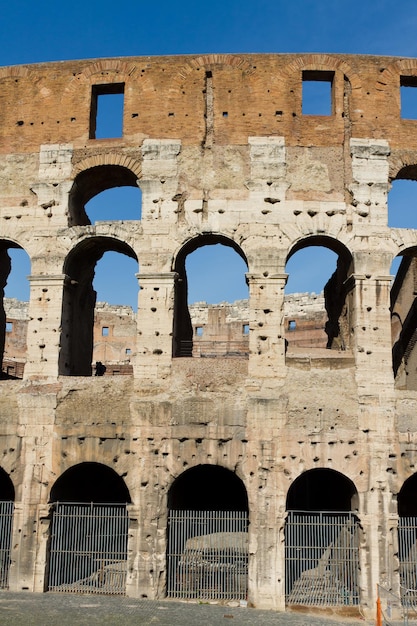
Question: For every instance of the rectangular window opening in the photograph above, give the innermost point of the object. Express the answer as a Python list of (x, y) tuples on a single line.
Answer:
[(106, 115), (245, 329), (199, 331), (9, 327), (292, 325), (408, 93), (317, 96), (128, 351), (105, 331)]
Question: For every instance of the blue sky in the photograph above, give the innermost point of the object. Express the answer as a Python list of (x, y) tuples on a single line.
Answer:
[(46, 30)]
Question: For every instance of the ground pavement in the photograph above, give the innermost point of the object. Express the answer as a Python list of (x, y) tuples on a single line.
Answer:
[(48, 609)]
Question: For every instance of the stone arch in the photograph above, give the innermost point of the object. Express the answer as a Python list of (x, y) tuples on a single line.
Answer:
[(79, 301), (90, 482), (207, 547), (103, 70), (324, 62), (322, 540), (338, 302), (208, 488), (87, 546), (322, 489), (97, 174), (183, 330), (7, 496)]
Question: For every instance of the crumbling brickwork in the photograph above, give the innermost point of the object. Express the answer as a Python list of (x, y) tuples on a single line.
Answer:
[(222, 153)]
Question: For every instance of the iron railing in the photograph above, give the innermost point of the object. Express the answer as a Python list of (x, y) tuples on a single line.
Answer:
[(321, 559), (88, 548), (6, 527), (207, 555), (407, 554)]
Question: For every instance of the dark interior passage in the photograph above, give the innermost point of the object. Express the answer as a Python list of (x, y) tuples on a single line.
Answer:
[(322, 490), (6, 486), (208, 488), (407, 498), (90, 482)]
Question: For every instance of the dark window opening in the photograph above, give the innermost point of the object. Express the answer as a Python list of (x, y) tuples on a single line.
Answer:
[(14, 296), (208, 488), (317, 303), (103, 193), (322, 490), (317, 96), (211, 274), (7, 492), (90, 482), (107, 104), (101, 290), (408, 92)]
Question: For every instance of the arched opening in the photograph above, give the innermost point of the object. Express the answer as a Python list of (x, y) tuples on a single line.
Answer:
[(88, 203), (404, 320), (317, 305), (14, 304), (7, 495), (402, 199), (87, 548), (211, 299), (87, 325), (207, 553), (407, 540), (322, 540)]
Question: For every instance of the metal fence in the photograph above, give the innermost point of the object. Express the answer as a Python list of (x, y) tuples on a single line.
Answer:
[(321, 559), (6, 527), (407, 553), (88, 548), (207, 555)]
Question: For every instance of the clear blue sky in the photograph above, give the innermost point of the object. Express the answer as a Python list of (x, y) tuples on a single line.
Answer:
[(46, 30)]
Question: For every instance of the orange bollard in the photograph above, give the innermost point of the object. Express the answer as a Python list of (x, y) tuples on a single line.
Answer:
[(378, 612)]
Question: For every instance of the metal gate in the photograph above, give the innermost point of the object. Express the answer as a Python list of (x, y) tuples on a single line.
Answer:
[(321, 559), (6, 527), (207, 555), (407, 553), (88, 548)]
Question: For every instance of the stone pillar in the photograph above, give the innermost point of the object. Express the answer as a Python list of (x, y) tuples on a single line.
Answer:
[(370, 322), (370, 185), (155, 325), (44, 327), (266, 325)]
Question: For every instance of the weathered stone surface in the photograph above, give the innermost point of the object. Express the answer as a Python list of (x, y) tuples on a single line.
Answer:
[(222, 152)]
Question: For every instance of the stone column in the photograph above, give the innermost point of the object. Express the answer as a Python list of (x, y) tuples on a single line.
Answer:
[(266, 325), (155, 325), (44, 326)]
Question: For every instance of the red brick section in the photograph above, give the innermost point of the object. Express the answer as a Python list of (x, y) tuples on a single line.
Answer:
[(165, 98)]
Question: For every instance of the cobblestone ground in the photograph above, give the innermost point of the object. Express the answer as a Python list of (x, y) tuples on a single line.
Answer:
[(29, 609)]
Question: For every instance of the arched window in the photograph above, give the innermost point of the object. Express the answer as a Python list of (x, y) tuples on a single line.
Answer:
[(14, 303), (404, 320), (83, 318), (321, 540), (87, 549), (207, 553), (211, 299), (316, 306), (102, 193)]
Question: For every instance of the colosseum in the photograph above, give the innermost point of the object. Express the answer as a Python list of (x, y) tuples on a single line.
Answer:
[(224, 466)]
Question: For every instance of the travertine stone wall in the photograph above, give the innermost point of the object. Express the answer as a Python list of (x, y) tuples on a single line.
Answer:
[(222, 153)]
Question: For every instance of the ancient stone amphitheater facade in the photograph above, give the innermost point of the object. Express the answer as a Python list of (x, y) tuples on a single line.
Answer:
[(253, 448)]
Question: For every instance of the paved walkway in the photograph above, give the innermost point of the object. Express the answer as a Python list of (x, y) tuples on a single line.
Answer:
[(48, 609)]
